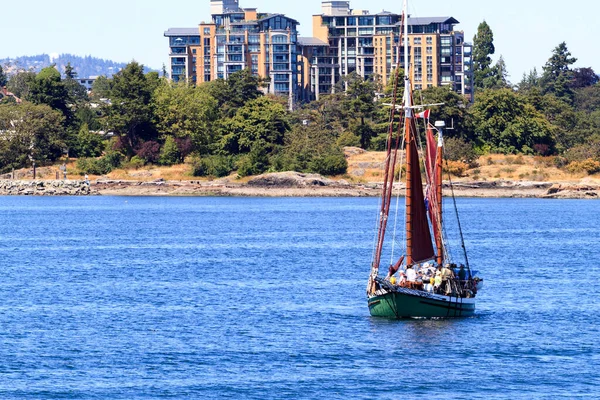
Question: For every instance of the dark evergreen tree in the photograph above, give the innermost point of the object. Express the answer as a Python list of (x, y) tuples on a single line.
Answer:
[(483, 47)]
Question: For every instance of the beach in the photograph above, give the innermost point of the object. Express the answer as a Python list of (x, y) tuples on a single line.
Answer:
[(291, 184)]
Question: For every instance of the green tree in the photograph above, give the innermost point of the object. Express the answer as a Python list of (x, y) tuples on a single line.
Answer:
[(311, 149), (32, 132), (261, 121), (48, 88), (130, 114), (505, 122), (454, 111), (3, 78), (70, 72), (20, 84), (169, 154), (239, 88), (483, 48), (497, 77), (101, 88), (557, 77), (359, 101), (186, 111), (529, 81), (88, 144)]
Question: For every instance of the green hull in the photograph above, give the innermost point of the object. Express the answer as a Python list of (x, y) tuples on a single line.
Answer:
[(408, 303)]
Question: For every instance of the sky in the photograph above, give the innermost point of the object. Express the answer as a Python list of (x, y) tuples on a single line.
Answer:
[(525, 31)]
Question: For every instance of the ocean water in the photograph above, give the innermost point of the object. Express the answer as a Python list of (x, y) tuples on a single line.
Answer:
[(193, 298)]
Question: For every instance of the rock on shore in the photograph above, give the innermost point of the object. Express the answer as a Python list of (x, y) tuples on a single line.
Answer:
[(290, 184), (44, 188)]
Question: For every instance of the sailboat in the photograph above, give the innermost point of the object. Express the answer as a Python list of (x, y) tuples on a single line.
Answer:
[(428, 284)]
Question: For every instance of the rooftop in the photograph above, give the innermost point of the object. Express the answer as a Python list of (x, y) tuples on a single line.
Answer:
[(431, 20), (311, 41), (182, 32)]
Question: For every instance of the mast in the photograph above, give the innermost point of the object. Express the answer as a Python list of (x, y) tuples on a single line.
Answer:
[(408, 141), (438, 181), (418, 236)]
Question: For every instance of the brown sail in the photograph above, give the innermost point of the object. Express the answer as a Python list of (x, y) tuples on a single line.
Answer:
[(418, 238), (434, 195)]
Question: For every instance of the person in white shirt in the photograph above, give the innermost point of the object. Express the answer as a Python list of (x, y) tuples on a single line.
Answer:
[(411, 276)]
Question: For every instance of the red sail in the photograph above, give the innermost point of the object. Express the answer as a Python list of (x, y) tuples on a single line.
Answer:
[(432, 179), (418, 235), (430, 157)]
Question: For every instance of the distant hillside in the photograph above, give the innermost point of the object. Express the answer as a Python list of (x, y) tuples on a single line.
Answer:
[(85, 67)]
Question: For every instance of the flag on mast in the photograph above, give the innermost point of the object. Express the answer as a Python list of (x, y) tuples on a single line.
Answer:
[(424, 114)]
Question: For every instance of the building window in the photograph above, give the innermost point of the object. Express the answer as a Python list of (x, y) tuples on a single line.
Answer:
[(193, 51), (207, 31), (429, 50), (429, 40), (417, 40), (365, 21)]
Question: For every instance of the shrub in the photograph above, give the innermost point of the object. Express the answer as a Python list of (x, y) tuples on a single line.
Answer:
[(379, 142), (169, 154), (330, 164), (185, 147), (456, 168), (149, 152), (520, 160), (135, 162), (456, 149), (590, 166), (348, 139), (99, 166), (217, 166)]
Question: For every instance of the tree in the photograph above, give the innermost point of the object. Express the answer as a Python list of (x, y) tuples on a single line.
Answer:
[(48, 88), (557, 77), (101, 88), (584, 77), (88, 144), (453, 112), (3, 78), (504, 122), (70, 72), (260, 121), (529, 81), (311, 149), (239, 88), (20, 84), (497, 77), (169, 154), (186, 111), (32, 132), (359, 100), (130, 113), (483, 47)]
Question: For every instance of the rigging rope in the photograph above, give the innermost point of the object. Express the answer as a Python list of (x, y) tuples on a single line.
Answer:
[(462, 239)]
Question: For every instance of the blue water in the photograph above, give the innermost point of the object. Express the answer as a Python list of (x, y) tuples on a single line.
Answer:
[(144, 298)]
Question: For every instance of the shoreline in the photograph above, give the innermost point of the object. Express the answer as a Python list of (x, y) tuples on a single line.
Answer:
[(289, 184)]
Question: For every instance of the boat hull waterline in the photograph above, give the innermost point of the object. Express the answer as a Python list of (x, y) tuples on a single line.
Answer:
[(409, 303)]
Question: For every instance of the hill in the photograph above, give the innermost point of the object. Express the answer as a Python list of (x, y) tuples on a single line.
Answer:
[(85, 67)]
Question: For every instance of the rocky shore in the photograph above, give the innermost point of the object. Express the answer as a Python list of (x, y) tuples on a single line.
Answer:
[(45, 188), (288, 184)]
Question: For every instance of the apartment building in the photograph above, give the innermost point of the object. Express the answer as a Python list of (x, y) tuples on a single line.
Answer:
[(238, 39), (368, 44), (302, 68)]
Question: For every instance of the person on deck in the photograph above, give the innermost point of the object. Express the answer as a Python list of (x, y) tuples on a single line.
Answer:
[(437, 283), (402, 281), (411, 277), (462, 273), (447, 275)]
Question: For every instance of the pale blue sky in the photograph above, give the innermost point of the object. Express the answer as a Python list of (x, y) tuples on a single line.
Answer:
[(525, 31)]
